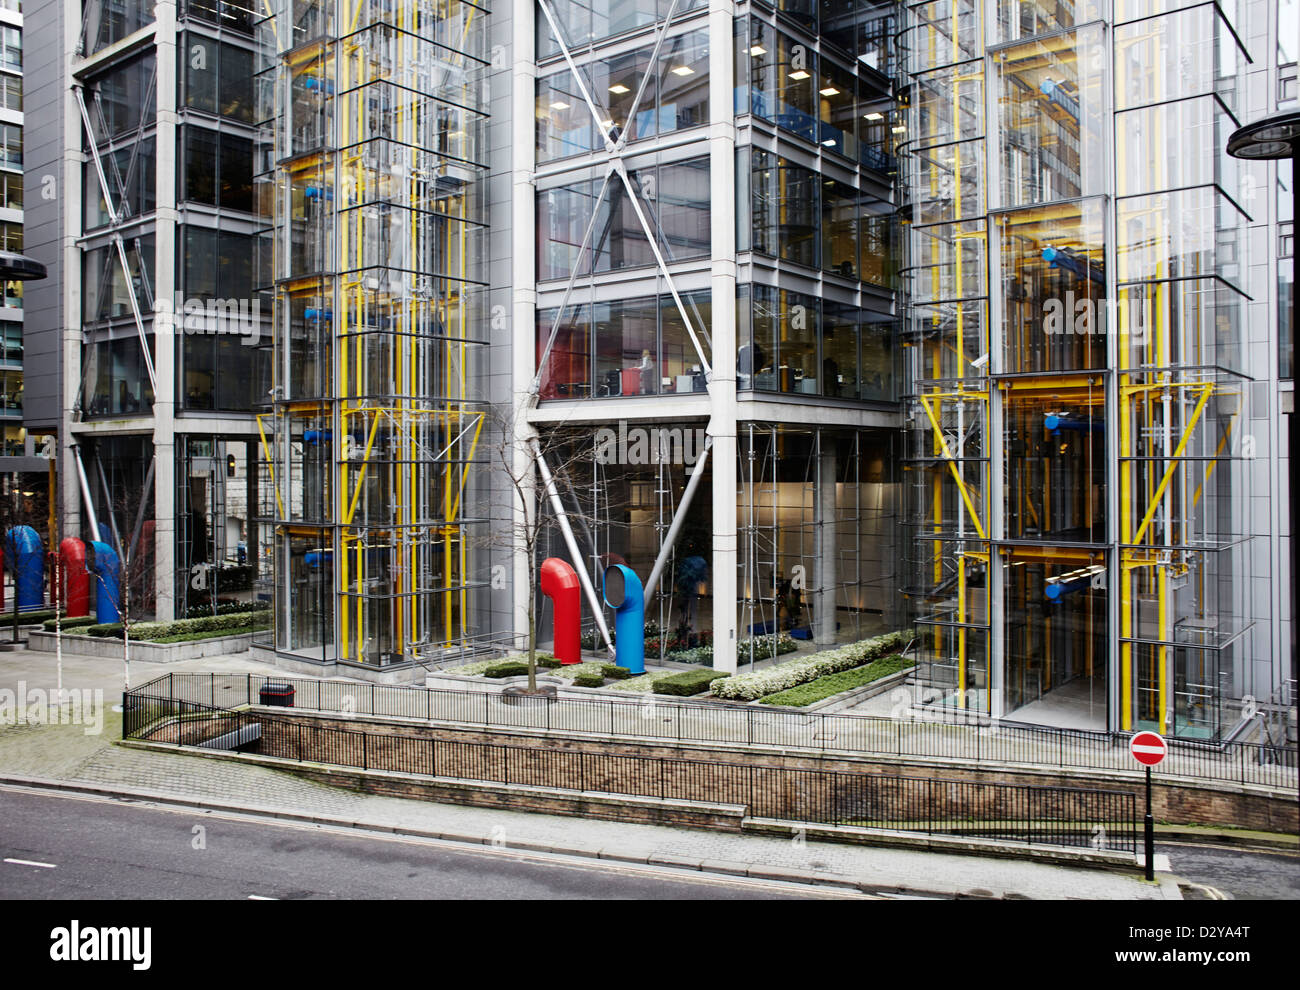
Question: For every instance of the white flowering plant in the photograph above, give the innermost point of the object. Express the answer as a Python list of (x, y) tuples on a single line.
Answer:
[(791, 673)]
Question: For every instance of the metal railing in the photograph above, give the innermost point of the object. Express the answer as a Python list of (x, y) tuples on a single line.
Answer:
[(1060, 816), (975, 738)]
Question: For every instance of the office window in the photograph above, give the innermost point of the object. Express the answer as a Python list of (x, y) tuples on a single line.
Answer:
[(676, 96), (626, 347), (11, 92), (786, 203), (126, 96), (1050, 123)]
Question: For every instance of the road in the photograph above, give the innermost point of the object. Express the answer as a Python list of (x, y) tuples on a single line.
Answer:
[(55, 846), (1239, 873)]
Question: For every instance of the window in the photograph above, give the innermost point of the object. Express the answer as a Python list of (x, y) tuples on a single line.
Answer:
[(11, 93), (13, 47), (218, 78), (11, 145), (584, 23), (676, 96), (674, 199), (786, 204), (11, 237), (641, 347), (126, 97), (1050, 129), (130, 172), (217, 169)]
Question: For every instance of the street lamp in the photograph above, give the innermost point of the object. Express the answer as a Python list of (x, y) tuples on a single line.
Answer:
[(1273, 138)]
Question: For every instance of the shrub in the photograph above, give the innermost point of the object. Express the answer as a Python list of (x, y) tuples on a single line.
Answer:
[(69, 623), (25, 618), (228, 625), (615, 672), (764, 647), (760, 684), (510, 668), (832, 684), (588, 680), (547, 661), (688, 682), (700, 654), (226, 608)]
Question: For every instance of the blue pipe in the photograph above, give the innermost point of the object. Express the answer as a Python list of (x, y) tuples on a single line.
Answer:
[(1060, 589), (624, 594), (108, 583), (1057, 94), (1056, 422), (1070, 262), (27, 561), (317, 436)]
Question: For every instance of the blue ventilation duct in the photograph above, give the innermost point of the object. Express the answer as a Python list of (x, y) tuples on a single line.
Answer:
[(108, 583), (624, 594), (26, 559)]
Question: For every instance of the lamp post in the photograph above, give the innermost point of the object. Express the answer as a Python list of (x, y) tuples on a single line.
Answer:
[(1273, 138), (20, 268)]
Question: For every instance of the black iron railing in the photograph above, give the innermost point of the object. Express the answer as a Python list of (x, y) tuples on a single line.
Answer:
[(972, 737), (1060, 816)]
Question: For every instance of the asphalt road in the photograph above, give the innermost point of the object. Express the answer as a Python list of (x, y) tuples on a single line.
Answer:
[(1241, 874), (69, 847)]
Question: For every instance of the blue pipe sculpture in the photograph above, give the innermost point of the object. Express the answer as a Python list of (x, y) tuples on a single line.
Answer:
[(108, 583), (27, 559), (624, 594)]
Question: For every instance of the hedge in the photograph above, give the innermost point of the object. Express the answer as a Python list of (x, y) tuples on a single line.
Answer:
[(614, 672), (69, 623), (234, 624), (760, 684), (508, 668), (25, 618), (688, 682), (832, 684), (226, 608), (547, 661), (588, 680)]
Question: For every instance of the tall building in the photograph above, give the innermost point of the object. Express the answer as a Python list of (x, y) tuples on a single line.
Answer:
[(11, 227), (150, 349), (1095, 465), (825, 318)]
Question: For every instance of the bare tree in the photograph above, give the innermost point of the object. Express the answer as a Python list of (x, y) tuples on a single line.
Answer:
[(526, 459), (133, 573)]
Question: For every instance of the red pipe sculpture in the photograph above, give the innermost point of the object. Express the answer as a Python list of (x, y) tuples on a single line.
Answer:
[(76, 579), (560, 585)]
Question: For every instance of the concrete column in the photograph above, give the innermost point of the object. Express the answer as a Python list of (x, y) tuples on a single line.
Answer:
[(826, 544), (164, 401), (523, 277), (722, 387), (69, 185)]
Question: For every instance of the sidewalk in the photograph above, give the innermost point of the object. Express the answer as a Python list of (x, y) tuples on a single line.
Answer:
[(64, 756)]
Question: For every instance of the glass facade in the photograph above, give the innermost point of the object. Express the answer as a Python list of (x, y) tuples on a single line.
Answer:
[(378, 252), (1075, 361)]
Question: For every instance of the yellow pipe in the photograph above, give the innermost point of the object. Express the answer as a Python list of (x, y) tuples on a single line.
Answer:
[(1206, 391), (270, 464), (952, 466)]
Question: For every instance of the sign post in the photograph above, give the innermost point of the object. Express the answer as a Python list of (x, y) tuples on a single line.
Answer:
[(1148, 748)]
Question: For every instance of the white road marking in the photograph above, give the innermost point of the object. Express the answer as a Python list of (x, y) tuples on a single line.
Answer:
[(31, 862)]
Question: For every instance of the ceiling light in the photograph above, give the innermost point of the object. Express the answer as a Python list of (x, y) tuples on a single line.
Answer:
[(899, 129), (874, 116), (829, 142), (830, 91), (619, 88), (607, 124), (798, 74), (559, 105), (758, 50), (682, 70)]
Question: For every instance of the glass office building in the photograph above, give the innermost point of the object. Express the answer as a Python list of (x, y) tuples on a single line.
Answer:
[(1079, 377)]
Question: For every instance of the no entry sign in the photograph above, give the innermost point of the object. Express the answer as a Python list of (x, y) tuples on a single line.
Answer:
[(1148, 748)]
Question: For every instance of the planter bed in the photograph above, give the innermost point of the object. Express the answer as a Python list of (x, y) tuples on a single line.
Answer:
[(111, 649)]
